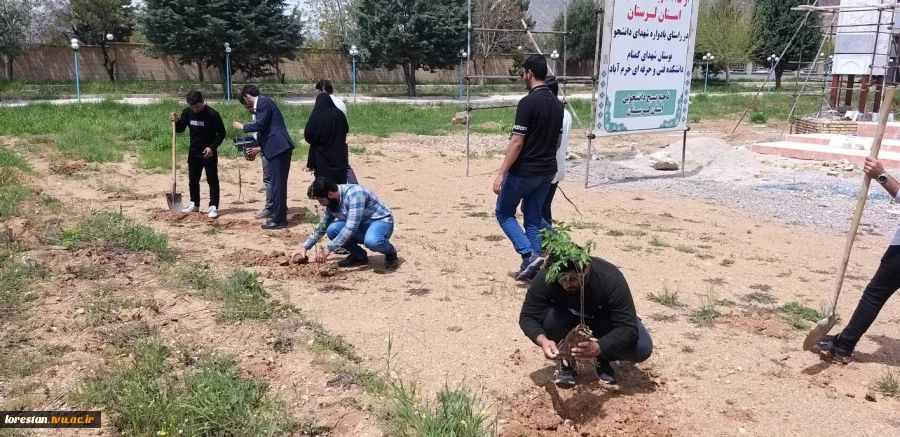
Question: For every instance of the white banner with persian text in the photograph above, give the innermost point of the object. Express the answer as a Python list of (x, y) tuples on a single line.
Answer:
[(645, 66)]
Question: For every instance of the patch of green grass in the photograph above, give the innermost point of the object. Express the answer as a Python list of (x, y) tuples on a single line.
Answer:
[(658, 242), (760, 297), (455, 412), (799, 315), (615, 233), (708, 311), (244, 298), (209, 398), (116, 230), (759, 118), (17, 363), (889, 383), (685, 248), (17, 274), (11, 159), (357, 150), (12, 194), (666, 297)]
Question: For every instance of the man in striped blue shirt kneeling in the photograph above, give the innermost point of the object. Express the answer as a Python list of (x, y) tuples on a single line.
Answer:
[(352, 215)]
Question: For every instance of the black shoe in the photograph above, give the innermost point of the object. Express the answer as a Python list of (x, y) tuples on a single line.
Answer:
[(340, 251), (565, 374), (269, 226), (605, 371), (530, 267), (353, 261), (829, 351), (391, 262)]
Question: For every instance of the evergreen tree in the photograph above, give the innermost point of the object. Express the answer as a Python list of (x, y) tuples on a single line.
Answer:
[(15, 17), (411, 34), (259, 32), (582, 24), (776, 24)]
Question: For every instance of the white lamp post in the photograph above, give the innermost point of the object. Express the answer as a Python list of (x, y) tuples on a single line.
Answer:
[(554, 56), (707, 57), (353, 54), (75, 48), (773, 61), (462, 59), (227, 72)]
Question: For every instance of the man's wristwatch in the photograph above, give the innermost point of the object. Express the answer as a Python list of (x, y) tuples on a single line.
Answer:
[(882, 178)]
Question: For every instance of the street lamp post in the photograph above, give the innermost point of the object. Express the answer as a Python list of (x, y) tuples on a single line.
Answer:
[(554, 56), (708, 57), (75, 47), (227, 72), (353, 54), (462, 59), (773, 60)]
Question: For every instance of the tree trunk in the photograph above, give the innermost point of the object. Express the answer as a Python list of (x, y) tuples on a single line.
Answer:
[(9, 67), (200, 71), (409, 74), (778, 73), (222, 77), (727, 74), (108, 63), (475, 67)]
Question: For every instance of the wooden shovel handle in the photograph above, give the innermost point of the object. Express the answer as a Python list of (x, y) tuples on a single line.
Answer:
[(173, 158), (861, 202)]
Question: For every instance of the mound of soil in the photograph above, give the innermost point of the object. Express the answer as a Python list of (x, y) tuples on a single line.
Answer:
[(17, 230), (194, 220), (68, 168), (281, 267), (583, 411)]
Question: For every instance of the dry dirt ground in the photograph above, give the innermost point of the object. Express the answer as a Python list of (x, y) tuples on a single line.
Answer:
[(451, 310)]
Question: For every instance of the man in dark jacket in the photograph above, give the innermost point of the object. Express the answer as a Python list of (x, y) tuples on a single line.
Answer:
[(275, 145), (207, 134), (551, 310)]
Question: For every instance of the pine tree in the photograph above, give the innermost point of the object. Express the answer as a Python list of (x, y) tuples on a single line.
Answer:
[(259, 32), (411, 34), (582, 24), (776, 24)]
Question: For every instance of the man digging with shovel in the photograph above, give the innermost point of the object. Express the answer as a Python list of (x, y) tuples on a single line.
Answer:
[(885, 282)]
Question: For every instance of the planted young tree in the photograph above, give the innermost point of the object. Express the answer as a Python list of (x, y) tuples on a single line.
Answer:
[(775, 26), (497, 14), (724, 29), (411, 34), (261, 33), (92, 20), (15, 17), (581, 41)]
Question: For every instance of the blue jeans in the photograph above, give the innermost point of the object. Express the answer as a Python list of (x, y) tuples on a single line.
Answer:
[(531, 192), (376, 236)]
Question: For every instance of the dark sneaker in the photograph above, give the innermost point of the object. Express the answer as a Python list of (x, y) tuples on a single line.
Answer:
[(605, 371), (353, 261), (828, 351), (270, 226), (341, 251), (565, 374), (530, 267), (264, 214), (391, 262)]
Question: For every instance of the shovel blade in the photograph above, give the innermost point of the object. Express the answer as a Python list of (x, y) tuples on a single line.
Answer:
[(174, 202), (818, 332)]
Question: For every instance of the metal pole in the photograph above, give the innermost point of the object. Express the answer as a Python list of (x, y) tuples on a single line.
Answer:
[(592, 135), (684, 149), (77, 78), (468, 85), (461, 66), (706, 81), (227, 77), (353, 61)]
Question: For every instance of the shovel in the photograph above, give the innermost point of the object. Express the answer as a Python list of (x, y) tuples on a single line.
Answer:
[(174, 198), (818, 332)]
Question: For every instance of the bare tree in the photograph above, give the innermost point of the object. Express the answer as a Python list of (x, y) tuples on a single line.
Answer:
[(497, 14), (335, 21), (15, 18)]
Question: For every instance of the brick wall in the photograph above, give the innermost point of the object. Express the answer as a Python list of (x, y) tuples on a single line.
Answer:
[(55, 64), (817, 126)]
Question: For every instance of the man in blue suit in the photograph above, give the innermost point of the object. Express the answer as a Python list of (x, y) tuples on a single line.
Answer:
[(276, 146)]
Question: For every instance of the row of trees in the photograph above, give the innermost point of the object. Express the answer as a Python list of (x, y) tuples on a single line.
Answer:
[(404, 34)]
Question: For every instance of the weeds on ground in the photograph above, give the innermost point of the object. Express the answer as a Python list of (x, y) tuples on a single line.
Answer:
[(727, 262), (615, 233), (708, 311), (208, 398), (16, 274), (309, 428), (799, 315), (357, 150), (889, 383), (12, 193), (456, 411), (241, 295), (759, 297), (11, 159), (117, 230), (666, 297), (658, 242), (683, 248)]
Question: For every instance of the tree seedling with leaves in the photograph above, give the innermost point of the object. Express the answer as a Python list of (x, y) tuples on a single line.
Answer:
[(562, 251)]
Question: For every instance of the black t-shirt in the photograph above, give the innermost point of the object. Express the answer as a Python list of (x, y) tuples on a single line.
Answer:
[(539, 117), (207, 128)]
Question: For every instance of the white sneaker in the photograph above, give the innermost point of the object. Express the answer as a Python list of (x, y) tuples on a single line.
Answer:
[(190, 208), (213, 212)]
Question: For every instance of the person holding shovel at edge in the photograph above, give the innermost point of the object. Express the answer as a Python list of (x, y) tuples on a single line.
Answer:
[(207, 134), (884, 284), (554, 308), (352, 215)]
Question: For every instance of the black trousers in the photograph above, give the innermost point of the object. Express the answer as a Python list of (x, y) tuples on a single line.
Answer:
[(197, 164), (559, 321), (884, 284), (279, 169), (546, 211)]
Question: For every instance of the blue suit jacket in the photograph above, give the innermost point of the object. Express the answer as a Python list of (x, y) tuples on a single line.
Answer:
[(274, 138)]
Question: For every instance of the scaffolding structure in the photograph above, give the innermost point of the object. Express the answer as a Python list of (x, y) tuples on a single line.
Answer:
[(563, 79)]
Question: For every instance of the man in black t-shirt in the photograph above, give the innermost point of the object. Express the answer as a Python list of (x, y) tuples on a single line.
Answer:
[(207, 134), (529, 166)]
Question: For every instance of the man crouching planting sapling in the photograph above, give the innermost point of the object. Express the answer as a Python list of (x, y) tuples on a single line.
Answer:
[(580, 307), (352, 215)]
